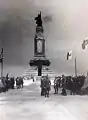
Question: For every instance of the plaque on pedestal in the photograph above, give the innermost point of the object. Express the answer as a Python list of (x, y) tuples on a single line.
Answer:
[(39, 47)]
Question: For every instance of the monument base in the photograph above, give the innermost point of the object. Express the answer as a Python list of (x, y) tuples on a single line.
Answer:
[(39, 63)]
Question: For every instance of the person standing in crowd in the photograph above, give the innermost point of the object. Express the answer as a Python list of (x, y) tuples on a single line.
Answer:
[(63, 85), (12, 82), (56, 85)]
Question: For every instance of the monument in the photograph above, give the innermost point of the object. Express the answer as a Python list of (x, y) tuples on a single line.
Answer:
[(39, 41), (39, 59)]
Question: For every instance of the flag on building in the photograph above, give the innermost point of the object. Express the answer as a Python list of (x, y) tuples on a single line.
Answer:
[(69, 55)]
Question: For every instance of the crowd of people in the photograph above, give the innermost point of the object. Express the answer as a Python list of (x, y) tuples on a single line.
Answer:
[(10, 82), (74, 84), (64, 83)]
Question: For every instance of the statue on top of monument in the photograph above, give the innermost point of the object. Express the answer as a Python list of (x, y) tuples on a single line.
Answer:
[(38, 20)]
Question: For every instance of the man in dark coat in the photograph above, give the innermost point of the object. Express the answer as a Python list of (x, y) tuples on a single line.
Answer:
[(45, 86), (63, 85), (12, 82), (42, 86), (56, 85)]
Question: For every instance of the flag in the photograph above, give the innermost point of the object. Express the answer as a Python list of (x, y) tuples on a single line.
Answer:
[(69, 55), (84, 44), (1, 56)]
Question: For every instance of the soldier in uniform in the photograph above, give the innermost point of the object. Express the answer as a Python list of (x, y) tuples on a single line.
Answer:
[(21, 82), (42, 86), (56, 85), (12, 82), (17, 83), (63, 85), (45, 86), (7, 82)]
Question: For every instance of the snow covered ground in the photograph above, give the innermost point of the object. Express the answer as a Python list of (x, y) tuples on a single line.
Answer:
[(27, 104)]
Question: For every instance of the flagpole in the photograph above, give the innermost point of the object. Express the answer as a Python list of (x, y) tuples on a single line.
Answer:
[(2, 66), (2, 69), (75, 67)]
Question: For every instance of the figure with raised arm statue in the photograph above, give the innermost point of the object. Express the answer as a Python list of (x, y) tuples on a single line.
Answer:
[(39, 20)]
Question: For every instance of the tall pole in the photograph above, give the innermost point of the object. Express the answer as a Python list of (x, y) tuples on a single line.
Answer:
[(2, 65), (2, 69), (75, 67)]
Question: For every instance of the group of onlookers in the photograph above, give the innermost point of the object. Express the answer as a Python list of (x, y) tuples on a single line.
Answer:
[(74, 84), (7, 83)]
